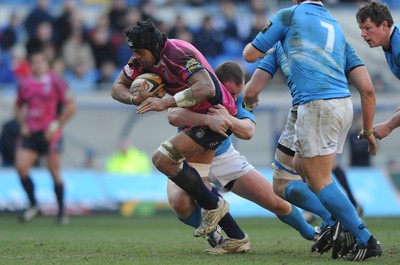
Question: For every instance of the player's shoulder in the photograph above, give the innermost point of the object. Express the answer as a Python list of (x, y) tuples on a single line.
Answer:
[(57, 79), (175, 48)]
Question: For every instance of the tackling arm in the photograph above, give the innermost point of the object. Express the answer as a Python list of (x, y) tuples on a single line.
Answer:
[(241, 128), (383, 129), (254, 87), (181, 117)]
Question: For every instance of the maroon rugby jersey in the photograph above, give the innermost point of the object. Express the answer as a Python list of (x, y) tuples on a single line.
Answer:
[(42, 98), (179, 61)]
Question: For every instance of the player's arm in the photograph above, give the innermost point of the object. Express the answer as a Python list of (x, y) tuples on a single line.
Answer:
[(383, 129), (20, 116), (254, 87), (181, 117), (201, 88), (360, 78), (251, 54), (20, 110), (69, 108), (241, 128), (120, 89)]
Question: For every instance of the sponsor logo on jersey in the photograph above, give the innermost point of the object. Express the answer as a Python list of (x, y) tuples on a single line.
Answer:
[(266, 27), (192, 65)]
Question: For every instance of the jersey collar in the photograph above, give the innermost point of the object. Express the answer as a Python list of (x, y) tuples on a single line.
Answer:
[(313, 2)]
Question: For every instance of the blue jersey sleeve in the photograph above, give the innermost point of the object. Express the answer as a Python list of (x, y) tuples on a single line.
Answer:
[(352, 60), (269, 63), (393, 54), (273, 31), (243, 113)]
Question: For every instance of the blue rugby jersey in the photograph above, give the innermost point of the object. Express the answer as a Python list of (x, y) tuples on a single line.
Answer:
[(314, 44), (276, 58)]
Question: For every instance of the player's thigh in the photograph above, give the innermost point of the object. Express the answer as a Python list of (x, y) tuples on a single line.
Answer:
[(322, 126), (25, 158), (186, 146)]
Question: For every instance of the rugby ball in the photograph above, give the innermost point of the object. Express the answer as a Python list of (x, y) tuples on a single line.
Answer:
[(152, 82)]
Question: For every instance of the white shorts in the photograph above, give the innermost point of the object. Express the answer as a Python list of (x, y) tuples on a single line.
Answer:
[(227, 167), (287, 136), (322, 126)]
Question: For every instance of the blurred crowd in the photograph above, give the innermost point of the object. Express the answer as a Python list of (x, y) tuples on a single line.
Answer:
[(90, 55)]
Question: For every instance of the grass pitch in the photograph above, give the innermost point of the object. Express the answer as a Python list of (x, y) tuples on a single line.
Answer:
[(111, 239)]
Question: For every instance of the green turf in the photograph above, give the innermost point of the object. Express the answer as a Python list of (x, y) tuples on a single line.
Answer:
[(111, 239)]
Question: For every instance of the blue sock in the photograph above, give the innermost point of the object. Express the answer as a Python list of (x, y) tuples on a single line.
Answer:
[(194, 219), (341, 208), (296, 220), (298, 193)]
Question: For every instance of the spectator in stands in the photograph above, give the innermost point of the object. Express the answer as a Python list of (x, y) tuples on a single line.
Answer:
[(128, 160), (63, 23), (81, 79), (100, 41), (131, 16), (12, 33), (42, 37), (37, 16), (19, 64), (77, 48), (209, 40), (229, 19), (116, 15), (148, 8), (179, 26), (107, 73), (10, 36)]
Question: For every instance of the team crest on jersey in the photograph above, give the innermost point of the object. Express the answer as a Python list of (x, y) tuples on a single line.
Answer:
[(200, 133), (129, 71), (192, 65), (266, 27)]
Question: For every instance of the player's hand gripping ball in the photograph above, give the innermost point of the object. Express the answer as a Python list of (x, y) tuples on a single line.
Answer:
[(151, 82)]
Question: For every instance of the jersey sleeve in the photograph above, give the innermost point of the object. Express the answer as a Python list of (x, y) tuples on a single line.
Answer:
[(186, 63), (269, 63), (243, 113), (273, 31), (351, 59), (61, 87), (131, 69)]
